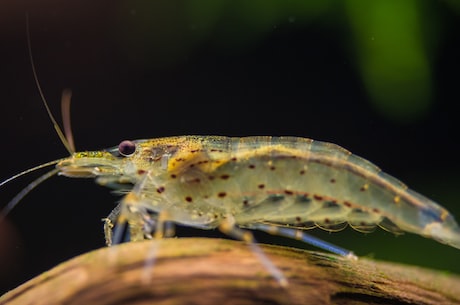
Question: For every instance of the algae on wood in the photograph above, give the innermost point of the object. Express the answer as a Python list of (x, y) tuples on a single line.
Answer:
[(217, 271)]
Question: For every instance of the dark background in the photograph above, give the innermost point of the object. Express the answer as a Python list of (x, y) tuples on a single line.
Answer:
[(380, 79)]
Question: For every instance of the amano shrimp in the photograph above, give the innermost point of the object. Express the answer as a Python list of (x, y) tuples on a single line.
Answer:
[(280, 185), (273, 184)]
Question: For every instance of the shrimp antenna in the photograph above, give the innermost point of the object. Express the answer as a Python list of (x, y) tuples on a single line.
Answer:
[(30, 170), (66, 140), (66, 94), (13, 202)]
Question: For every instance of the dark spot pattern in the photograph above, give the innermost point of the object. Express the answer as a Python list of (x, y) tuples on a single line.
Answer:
[(275, 198), (303, 198), (318, 197)]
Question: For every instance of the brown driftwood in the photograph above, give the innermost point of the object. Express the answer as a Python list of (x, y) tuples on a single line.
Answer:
[(215, 271)]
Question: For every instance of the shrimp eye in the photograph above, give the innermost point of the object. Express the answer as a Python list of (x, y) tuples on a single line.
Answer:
[(127, 148)]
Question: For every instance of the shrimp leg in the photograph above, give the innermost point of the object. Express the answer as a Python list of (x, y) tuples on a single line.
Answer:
[(109, 224), (304, 237), (229, 228)]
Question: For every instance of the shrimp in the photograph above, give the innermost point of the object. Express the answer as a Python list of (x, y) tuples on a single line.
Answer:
[(264, 183), (280, 185)]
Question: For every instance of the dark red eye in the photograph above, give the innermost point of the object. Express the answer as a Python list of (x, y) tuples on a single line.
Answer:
[(127, 148)]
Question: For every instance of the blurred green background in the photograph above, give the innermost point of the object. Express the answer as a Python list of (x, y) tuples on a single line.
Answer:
[(379, 78)]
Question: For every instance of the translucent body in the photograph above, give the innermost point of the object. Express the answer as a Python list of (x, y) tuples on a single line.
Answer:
[(251, 182)]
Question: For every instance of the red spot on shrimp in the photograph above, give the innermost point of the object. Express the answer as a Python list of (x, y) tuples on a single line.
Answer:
[(261, 186), (318, 197), (225, 177), (221, 194), (251, 166), (160, 189), (188, 199)]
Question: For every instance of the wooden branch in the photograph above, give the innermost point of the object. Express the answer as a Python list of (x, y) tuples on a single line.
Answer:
[(216, 271)]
